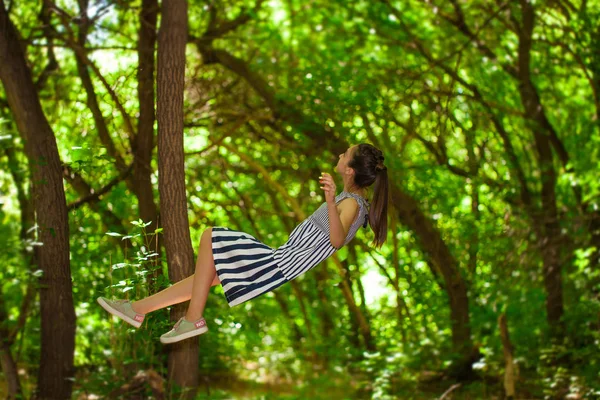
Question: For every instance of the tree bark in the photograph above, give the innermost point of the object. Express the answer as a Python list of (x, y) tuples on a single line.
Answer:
[(56, 372), (143, 143), (183, 356)]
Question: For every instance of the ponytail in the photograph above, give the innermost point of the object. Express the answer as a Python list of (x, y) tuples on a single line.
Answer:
[(379, 206)]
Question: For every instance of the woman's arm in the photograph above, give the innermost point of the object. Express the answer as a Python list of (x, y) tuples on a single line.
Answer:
[(340, 220), (340, 216)]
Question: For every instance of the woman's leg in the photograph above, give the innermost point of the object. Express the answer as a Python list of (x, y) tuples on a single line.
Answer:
[(182, 290), (203, 277)]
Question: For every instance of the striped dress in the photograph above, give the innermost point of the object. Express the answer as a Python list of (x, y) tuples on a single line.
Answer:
[(248, 268)]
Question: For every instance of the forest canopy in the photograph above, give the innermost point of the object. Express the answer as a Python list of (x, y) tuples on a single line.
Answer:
[(129, 128)]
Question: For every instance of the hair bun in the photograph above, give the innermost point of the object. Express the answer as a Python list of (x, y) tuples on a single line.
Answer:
[(380, 159)]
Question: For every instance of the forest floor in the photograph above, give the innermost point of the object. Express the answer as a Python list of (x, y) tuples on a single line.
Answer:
[(324, 387), (249, 390)]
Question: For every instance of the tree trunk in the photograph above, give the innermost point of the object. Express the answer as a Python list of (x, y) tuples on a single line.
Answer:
[(56, 372), (9, 370), (144, 140), (183, 356), (548, 229)]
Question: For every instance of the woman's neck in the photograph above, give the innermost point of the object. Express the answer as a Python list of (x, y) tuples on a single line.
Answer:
[(350, 188)]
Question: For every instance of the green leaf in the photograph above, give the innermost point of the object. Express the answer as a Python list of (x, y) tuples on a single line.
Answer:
[(113, 234)]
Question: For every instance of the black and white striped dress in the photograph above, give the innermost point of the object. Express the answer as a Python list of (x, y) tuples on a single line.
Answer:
[(248, 268)]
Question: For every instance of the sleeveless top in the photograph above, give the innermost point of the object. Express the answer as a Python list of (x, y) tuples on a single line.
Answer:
[(309, 242)]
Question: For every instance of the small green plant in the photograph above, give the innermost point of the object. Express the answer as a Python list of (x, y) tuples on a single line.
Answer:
[(128, 350), (145, 263)]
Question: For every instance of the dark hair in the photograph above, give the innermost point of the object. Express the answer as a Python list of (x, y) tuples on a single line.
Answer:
[(368, 167)]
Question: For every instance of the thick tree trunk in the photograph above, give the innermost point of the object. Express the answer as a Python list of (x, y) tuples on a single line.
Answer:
[(183, 356), (549, 240), (58, 316), (144, 140), (57, 313)]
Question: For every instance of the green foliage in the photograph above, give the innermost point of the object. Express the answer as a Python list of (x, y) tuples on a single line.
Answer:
[(445, 105)]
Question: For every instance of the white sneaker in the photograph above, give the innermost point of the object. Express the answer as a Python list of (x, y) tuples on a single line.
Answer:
[(184, 329), (123, 310)]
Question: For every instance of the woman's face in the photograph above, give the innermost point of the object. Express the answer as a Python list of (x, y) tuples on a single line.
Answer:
[(344, 159)]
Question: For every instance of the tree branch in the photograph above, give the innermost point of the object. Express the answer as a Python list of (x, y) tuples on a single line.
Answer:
[(95, 196)]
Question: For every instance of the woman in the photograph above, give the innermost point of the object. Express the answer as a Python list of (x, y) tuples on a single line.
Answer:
[(247, 268)]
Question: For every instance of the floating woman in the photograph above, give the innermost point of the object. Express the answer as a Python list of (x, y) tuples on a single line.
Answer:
[(248, 268)]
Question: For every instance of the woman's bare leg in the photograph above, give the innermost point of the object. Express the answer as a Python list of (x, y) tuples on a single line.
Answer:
[(182, 290), (176, 293), (203, 277)]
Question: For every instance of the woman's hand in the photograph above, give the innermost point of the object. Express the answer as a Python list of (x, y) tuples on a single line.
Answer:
[(328, 186)]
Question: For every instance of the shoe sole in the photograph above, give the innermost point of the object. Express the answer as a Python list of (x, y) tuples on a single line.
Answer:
[(184, 336), (119, 314)]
